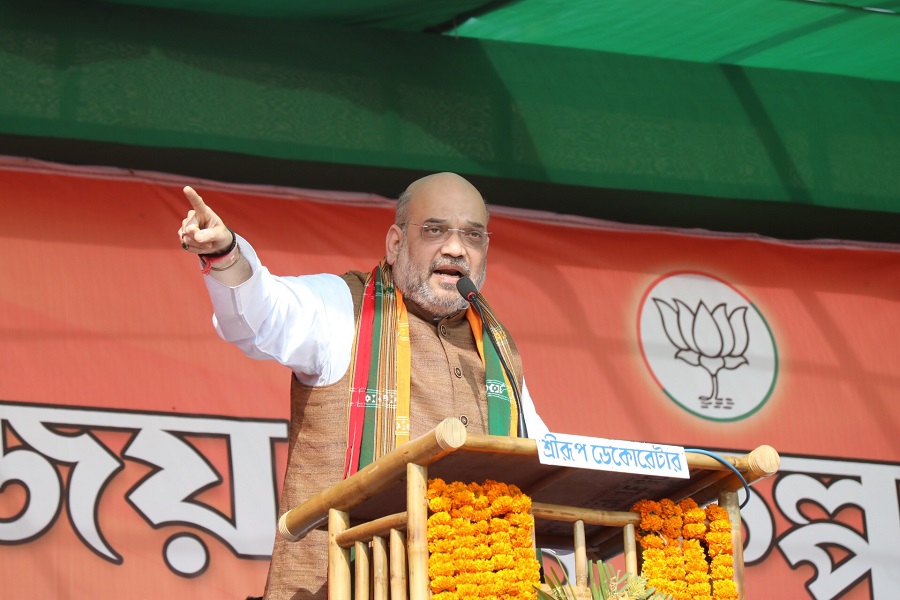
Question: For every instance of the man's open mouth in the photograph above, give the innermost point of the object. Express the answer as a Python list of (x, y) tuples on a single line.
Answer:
[(450, 271)]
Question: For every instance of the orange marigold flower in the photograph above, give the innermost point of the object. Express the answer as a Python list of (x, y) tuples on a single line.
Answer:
[(645, 507), (652, 542), (501, 505), (687, 504), (651, 522), (671, 527), (667, 508), (435, 487)]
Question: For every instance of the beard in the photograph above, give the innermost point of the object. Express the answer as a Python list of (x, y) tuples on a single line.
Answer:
[(415, 284)]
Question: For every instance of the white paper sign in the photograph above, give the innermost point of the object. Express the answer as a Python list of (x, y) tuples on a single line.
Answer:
[(612, 455)]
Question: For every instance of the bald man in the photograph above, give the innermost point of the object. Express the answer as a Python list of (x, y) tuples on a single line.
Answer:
[(312, 324)]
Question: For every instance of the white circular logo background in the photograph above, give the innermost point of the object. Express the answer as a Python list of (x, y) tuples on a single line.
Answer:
[(708, 347)]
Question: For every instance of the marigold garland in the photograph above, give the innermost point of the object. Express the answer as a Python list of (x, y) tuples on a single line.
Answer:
[(480, 541), (687, 550)]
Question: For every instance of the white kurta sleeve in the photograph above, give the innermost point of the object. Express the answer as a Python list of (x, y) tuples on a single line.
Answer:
[(533, 421), (305, 323)]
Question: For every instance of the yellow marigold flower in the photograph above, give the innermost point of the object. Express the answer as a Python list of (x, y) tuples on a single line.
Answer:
[(439, 532), (672, 551), (467, 590), (501, 505), (696, 566), (440, 504), (483, 551), (722, 560), (694, 515), (721, 572), (720, 525), (725, 589), (502, 548), (439, 518), (698, 589), (697, 577), (521, 503), (500, 537), (718, 538), (694, 531), (678, 587), (523, 520), (499, 525), (440, 584), (502, 561), (440, 569)]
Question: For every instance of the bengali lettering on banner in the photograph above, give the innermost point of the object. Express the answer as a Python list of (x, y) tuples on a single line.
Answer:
[(612, 455), (142, 456)]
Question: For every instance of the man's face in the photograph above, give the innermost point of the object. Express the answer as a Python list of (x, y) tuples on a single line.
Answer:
[(426, 271)]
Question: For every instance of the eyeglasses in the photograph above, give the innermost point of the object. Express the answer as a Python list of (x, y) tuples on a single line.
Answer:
[(475, 238)]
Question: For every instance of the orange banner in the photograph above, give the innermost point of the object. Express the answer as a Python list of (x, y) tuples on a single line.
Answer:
[(142, 456)]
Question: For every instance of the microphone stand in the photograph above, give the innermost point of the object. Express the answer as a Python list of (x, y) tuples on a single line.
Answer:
[(468, 291)]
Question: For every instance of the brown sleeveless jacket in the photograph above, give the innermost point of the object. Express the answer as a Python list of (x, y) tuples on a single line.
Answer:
[(447, 380)]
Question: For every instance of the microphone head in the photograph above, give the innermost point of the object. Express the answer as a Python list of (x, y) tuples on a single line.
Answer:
[(467, 289)]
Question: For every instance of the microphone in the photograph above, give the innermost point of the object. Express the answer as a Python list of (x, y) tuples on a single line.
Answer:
[(466, 288)]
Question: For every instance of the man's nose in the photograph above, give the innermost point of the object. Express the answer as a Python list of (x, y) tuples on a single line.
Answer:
[(453, 245)]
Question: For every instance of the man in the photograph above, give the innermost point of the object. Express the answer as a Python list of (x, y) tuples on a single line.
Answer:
[(404, 323)]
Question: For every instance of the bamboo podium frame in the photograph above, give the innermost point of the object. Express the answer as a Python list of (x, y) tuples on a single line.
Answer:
[(384, 506)]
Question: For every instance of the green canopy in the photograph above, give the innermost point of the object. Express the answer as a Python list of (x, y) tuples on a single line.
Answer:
[(774, 116)]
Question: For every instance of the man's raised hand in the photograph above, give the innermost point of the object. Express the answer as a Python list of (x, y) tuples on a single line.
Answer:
[(202, 231)]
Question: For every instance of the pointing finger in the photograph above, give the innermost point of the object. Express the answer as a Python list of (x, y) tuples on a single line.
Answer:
[(196, 201)]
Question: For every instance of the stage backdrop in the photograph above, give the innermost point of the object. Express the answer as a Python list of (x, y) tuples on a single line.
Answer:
[(142, 456)]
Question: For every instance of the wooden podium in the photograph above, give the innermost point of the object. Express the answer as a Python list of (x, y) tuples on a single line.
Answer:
[(579, 509)]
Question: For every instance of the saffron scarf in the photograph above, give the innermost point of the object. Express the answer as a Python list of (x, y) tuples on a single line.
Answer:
[(379, 406)]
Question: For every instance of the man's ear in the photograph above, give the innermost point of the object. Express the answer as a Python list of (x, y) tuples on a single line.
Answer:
[(392, 243)]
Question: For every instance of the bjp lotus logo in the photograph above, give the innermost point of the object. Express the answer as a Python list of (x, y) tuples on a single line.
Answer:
[(720, 363), (712, 340)]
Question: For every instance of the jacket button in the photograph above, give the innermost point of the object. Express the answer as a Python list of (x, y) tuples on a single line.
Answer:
[(464, 420), (443, 329), (458, 372)]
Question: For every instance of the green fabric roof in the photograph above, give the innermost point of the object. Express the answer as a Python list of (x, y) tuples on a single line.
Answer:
[(772, 116)]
